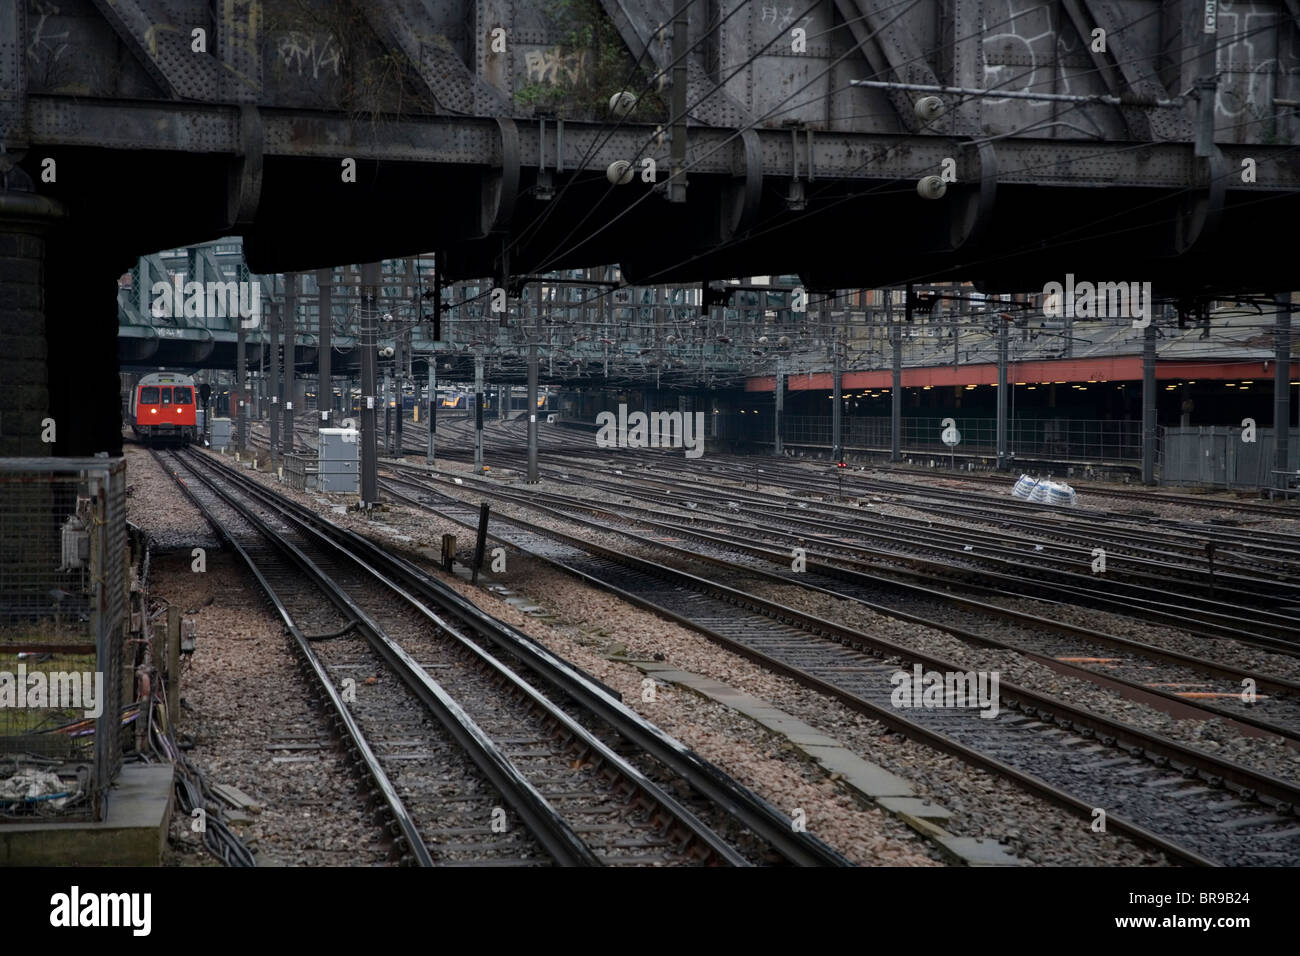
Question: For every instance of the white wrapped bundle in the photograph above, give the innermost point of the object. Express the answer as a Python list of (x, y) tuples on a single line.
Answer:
[(1060, 494), (1024, 487)]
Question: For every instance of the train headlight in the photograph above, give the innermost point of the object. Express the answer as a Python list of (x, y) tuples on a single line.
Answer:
[(153, 411)]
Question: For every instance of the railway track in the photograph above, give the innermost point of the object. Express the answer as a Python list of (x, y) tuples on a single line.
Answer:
[(451, 734), (1044, 554), (566, 442), (1139, 549), (1148, 496), (967, 560), (1159, 548), (743, 467), (1053, 559), (1192, 805), (772, 470), (1143, 671)]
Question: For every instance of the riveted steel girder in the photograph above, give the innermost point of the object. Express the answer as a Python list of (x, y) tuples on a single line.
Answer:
[(13, 80), (405, 25), (165, 48), (463, 141), (1122, 69), (891, 49), (646, 25), (239, 38)]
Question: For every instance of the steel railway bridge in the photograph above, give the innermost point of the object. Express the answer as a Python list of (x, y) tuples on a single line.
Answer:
[(854, 143)]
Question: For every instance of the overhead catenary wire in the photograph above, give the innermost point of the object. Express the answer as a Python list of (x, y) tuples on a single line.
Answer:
[(553, 256), (1008, 80), (783, 102), (867, 192)]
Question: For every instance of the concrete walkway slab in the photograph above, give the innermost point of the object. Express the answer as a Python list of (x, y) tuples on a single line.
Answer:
[(886, 790), (133, 832), (980, 852)]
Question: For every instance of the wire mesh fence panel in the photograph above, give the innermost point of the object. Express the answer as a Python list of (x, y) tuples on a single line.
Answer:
[(1053, 439), (808, 430), (63, 588), (1076, 439)]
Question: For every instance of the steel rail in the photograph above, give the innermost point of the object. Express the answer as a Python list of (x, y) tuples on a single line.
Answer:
[(911, 729), (1262, 682), (407, 580), (1218, 619), (352, 730), (555, 835), (1282, 794)]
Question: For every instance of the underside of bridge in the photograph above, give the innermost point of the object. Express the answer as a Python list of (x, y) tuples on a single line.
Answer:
[(1004, 144)]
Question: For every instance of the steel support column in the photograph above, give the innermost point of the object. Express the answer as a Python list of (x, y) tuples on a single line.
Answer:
[(276, 386), (241, 379), (1149, 405), (533, 336), (1002, 395), (325, 387), (1282, 385), (370, 279), (478, 414), (399, 392), (837, 386), (388, 413), (896, 394), (290, 357), (778, 436), (432, 420), (957, 319)]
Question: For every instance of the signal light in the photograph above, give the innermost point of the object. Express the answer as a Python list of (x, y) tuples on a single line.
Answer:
[(841, 465)]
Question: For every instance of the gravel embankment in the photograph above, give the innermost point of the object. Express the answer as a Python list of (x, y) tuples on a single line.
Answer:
[(759, 759), (590, 625), (244, 701), (1268, 754)]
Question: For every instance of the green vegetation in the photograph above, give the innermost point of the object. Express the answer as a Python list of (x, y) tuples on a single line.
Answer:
[(593, 65)]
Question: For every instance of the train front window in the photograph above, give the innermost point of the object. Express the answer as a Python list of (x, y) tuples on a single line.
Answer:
[(184, 396), (149, 395), (166, 396)]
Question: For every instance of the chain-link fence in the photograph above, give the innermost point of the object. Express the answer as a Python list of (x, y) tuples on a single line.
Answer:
[(1080, 440), (64, 580)]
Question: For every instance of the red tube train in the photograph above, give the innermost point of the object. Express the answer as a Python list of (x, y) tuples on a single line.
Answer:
[(163, 409)]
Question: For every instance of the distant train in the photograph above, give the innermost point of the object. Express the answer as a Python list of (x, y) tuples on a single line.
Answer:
[(163, 409), (461, 400)]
